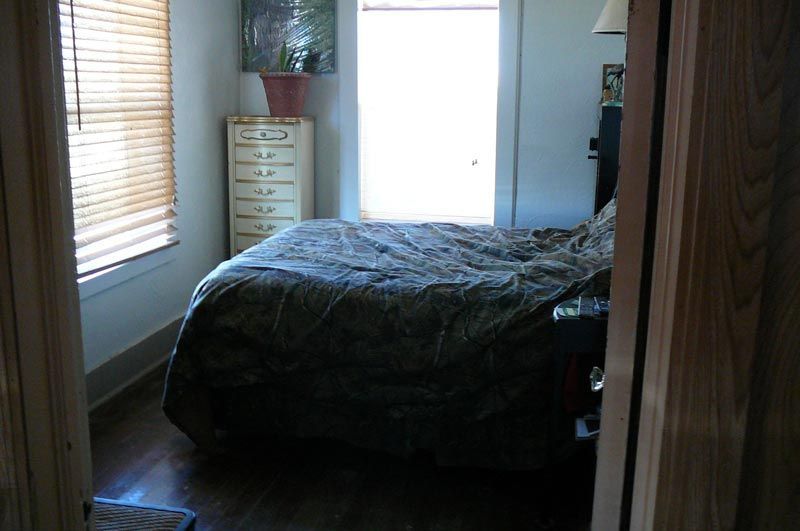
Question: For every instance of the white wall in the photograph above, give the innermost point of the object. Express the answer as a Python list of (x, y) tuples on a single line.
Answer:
[(560, 86), (322, 102), (332, 197), (205, 55)]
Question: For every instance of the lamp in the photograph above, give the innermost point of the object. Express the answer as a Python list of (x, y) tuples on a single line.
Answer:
[(613, 18)]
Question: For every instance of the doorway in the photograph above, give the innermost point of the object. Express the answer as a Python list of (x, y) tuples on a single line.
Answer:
[(62, 286)]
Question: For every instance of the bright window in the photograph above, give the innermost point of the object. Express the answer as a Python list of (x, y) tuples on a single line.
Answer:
[(428, 75), (118, 85)]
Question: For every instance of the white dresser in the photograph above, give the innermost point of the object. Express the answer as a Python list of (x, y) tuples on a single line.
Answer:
[(270, 176)]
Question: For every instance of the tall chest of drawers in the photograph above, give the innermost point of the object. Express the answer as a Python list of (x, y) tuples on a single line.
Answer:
[(270, 176)]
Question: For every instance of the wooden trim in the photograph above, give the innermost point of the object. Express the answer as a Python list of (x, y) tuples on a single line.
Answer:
[(109, 379), (768, 495), (268, 120), (505, 194), (39, 311), (14, 486), (719, 159), (638, 180), (347, 204)]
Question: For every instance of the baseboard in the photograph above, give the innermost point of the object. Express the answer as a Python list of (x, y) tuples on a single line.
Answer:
[(119, 372)]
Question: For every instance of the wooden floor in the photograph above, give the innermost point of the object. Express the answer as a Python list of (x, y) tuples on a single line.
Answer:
[(317, 485)]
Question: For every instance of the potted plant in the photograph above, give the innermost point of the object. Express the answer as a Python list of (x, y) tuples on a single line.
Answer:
[(285, 87)]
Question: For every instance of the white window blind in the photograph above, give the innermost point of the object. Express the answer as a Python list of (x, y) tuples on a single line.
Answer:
[(118, 85), (428, 113)]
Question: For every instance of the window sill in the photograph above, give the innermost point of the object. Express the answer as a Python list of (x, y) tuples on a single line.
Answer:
[(116, 275)]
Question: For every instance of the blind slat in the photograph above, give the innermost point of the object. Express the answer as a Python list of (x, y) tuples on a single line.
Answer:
[(103, 87), (105, 157), (109, 261), (119, 165), (99, 31), (117, 68), (104, 231), (89, 217), (118, 87), (113, 11), (112, 187), (116, 136), (129, 193), (119, 117), (155, 50), (122, 59), (135, 172), (97, 249)]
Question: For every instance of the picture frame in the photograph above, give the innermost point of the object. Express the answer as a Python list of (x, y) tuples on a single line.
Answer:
[(306, 26), (613, 82)]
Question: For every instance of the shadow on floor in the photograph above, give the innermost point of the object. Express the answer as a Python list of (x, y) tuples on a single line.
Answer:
[(318, 485)]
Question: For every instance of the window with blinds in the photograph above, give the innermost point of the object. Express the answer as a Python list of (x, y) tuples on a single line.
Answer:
[(118, 85), (428, 110)]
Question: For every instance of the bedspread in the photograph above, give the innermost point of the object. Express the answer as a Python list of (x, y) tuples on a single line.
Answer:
[(394, 336)]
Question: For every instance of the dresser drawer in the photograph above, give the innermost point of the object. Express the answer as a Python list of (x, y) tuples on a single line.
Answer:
[(258, 227), (249, 172), (274, 209), (282, 134), (264, 191), (245, 242), (265, 155)]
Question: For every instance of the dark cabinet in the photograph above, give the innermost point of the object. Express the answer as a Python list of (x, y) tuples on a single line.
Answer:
[(607, 146)]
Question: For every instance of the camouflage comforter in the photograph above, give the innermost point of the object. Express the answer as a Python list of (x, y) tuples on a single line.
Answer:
[(397, 337)]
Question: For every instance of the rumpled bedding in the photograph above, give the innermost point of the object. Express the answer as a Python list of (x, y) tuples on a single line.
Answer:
[(392, 336)]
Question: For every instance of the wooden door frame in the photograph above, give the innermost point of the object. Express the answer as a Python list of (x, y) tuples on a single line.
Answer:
[(637, 197), (45, 463), (46, 472)]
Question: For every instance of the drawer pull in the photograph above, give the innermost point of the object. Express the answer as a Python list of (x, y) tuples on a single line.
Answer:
[(265, 156), (267, 210), (264, 134), (267, 192), (269, 228), (268, 173)]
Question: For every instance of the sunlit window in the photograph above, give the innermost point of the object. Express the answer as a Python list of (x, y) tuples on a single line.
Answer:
[(428, 103)]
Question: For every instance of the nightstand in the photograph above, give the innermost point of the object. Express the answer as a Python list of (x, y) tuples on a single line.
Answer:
[(580, 346)]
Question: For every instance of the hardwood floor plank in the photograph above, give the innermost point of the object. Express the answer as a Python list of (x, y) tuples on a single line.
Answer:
[(279, 484)]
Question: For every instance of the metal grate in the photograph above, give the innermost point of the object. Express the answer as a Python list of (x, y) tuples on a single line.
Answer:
[(111, 515)]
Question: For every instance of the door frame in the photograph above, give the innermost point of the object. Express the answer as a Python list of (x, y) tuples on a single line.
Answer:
[(637, 201), (45, 462), (46, 475)]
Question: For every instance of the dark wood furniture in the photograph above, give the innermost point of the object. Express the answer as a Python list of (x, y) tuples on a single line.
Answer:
[(607, 146), (580, 346)]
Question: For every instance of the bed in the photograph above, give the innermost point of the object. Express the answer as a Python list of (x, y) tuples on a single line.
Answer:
[(390, 336)]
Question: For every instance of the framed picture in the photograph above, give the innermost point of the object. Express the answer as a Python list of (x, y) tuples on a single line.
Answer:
[(613, 82), (306, 26)]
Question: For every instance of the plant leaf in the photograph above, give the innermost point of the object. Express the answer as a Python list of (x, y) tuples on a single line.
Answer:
[(282, 58)]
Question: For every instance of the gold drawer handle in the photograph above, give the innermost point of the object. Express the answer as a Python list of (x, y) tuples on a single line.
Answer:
[(268, 191), (268, 210), (268, 173), (269, 228), (265, 156)]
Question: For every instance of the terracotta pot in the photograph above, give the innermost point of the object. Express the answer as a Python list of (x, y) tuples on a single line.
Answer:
[(286, 92)]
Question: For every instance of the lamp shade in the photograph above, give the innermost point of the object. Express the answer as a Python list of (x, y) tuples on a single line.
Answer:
[(613, 18)]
